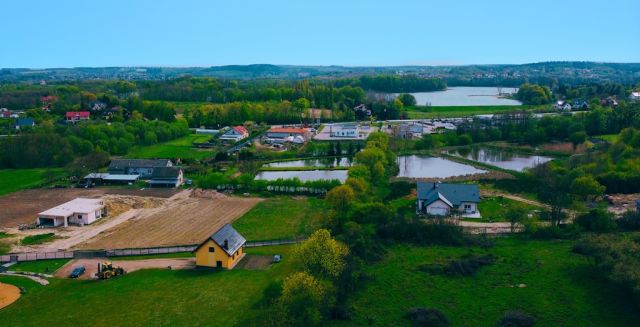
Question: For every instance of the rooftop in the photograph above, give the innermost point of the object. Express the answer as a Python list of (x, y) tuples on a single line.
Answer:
[(454, 193), (234, 240), (78, 205), (139, 163)]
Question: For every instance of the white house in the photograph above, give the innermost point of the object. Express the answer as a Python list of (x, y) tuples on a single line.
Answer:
[(79, 211), (444, 199), (344, 130), (635, 96), (235, 134)]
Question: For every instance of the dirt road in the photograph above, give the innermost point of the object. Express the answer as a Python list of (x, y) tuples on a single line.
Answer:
[(91, 265)]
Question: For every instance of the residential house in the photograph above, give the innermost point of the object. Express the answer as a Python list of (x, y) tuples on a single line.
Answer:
[(25, 122), (350, 130), (579, 104), (634, 96), (445, 199), (97, 106), (6, 113), (362, 109), (106, 178), (79, 211), (563, 105), (408, 130), (224, 249), (609, 101), (235, 134), (167, 177), (142, 167), (287, 134), (75, 116)]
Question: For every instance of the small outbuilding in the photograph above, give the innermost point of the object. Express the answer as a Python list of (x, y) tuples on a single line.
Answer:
[(79, 211), (224, 249)]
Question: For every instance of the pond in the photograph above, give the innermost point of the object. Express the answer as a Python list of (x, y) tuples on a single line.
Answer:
[(502, 158), (466, 96), (304, 175), (320, 162), (433, 167)]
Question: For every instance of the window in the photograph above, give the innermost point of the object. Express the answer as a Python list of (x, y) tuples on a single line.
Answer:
[(467, 206), (212, 249)]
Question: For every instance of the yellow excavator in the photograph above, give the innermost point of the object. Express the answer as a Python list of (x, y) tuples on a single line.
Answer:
[(106, 270)]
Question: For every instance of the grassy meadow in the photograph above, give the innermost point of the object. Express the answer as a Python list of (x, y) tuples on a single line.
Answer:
[(281, 218), (542, 278), (495, 208), (13, 180), (179, 148), (421, 112)]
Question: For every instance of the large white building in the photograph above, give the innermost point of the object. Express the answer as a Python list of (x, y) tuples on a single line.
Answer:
[(79, 211)]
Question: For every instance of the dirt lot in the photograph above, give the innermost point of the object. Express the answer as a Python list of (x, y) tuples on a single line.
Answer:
[(181, 220), (22, 207), (8, 294), (254, 262), (622, 203), (91, 265)]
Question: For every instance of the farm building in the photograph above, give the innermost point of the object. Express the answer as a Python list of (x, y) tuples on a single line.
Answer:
[(142, 167), (444, 199), (235, 134), (408, 130), (74, 116), (106, 178), (167, 177), (222, 250), (287, 134), (79, 211)]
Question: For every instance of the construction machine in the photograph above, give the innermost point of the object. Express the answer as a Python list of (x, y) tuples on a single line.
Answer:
[(106, 270)]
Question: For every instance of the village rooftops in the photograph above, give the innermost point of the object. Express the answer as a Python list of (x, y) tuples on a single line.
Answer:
[(228, 239), (288, 130), (78, 205), (139, 163), (455, 194)]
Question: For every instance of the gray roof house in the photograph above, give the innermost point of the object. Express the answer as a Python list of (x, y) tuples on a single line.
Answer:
[(223, 249), (167, 176), (445, 199), (142, 167), (23, 122)]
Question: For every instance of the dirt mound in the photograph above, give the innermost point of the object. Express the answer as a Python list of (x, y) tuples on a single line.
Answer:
[(8, 294), (117, 204), (207, 194)]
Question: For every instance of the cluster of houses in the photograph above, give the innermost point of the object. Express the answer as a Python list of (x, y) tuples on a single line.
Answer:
[(157, 173), (577, 104), (20, 121)]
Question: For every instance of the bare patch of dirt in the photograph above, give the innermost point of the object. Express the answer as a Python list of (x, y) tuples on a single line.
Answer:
[(91, 265), (254, 262), (8, 294)]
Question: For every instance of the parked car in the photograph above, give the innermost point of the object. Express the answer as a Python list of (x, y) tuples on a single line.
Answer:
[(77, 272)]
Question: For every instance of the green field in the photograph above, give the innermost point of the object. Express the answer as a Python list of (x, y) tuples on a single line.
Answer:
[(495, 208), (38, 239), (12, 180), (40, 266), (462, 111), (179, 148), (147, 297), (281, 218), (560, 288), (609, 137)]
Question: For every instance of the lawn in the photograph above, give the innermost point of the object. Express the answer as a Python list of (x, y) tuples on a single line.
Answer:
[(147, 297), (12, 180), (40, 266), (38, 239), (611, 138), (560, 288), (180, 148), (495, 208), (460, 111), (281, 218)]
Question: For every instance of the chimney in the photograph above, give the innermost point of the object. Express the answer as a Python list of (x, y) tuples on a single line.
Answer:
[(226, 244)]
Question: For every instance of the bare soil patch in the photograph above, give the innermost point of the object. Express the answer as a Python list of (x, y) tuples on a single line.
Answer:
[(254, 262), (8, 294), (180, 220), (91, 265), (22, 207)]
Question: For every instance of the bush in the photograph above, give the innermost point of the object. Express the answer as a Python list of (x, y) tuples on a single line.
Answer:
[(427, 317), (596, 220), (569, 231), (418, 232), (516, 319), (465, 266)]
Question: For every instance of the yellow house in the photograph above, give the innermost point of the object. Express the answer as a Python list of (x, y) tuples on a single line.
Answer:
[(222, 250)]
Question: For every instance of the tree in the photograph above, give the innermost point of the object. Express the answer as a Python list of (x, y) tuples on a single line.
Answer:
[(515, 215), (303, 300), (322, 256), (408, 100), (427, 317), (340, 198), (577, 138), (587, 187)]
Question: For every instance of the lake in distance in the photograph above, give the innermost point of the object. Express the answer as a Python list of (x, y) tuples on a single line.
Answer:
[(466, 96)]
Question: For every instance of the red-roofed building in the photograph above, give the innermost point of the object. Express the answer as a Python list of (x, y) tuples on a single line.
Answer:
[(74, 116), (287, 134), (235, 134)]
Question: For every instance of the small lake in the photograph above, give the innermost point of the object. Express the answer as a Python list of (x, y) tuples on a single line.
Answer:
[(433, 167), (305, 175), (466, 96), (504, 159), (321, 162)]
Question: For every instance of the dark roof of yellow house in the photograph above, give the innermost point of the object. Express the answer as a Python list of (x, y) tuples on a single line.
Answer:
[(227, 238)]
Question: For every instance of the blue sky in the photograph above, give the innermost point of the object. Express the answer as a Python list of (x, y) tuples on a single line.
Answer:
[(77, 33)]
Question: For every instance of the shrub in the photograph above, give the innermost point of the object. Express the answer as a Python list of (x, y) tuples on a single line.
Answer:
[(465, 266), (596, 220), (516, 319), (630, 220), (427, 317), (569, 231)]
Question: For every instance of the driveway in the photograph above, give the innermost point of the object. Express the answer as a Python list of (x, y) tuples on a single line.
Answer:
[(91, 265)]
